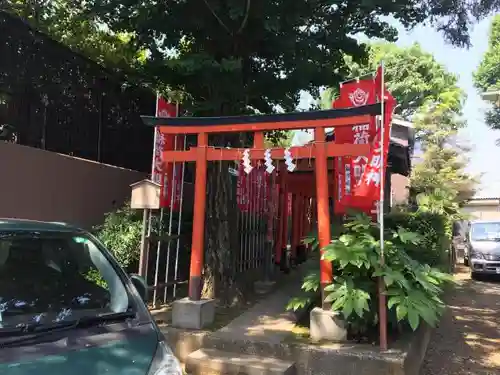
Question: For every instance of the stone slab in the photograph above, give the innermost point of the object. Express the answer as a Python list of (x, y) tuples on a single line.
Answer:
[(212, 361), (193, 314), (326, 325)]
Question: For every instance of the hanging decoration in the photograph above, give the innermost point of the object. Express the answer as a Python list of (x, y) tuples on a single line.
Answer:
[(268, 161), (289, 160), (247, 164)]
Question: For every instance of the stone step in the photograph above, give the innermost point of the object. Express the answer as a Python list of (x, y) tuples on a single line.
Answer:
[(217, 362)]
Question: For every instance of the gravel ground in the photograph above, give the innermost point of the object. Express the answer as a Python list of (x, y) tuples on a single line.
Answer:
[(467, 341)]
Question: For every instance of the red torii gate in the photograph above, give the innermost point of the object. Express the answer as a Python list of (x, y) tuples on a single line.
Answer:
[(320, 150)]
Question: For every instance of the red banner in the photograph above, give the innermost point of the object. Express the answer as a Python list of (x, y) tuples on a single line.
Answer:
[(253, 190), (241, 191), (358, 179), (348, 169), (166, 175), (369, 186), (272, 203)]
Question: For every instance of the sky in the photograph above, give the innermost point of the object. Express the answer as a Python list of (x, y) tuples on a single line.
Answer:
[(485, 155)]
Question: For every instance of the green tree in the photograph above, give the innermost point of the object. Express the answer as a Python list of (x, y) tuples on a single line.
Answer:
[(70, 23), (487, 76), (412, 75), (439, 180)]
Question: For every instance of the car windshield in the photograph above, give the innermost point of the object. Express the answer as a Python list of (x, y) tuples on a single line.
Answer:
[(485, 231), (51, 277)]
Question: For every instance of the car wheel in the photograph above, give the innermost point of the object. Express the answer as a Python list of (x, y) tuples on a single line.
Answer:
[(474, 276), (466, 262)]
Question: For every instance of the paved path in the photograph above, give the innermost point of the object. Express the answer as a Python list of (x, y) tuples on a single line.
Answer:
[(467, 342), (268, 320)]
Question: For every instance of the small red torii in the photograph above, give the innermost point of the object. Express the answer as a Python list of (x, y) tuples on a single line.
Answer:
[(320, 151)]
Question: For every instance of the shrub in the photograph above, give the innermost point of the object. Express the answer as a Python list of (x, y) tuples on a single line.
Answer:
[(121, 234), (433, 247), (413, 288)]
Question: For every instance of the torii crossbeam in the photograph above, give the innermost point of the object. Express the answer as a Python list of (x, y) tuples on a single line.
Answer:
[(320, 150)]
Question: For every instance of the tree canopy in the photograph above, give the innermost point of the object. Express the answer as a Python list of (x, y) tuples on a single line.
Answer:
[(70, 23), (237, 56), (413, 76), (487, 76), (238, 49)]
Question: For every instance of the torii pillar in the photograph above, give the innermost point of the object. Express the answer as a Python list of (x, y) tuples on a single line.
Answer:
[(325, 324)]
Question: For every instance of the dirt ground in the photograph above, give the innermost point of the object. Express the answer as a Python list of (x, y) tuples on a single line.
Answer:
[(467, 341)]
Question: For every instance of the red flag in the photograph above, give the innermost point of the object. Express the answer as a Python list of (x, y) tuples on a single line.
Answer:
[(242, 189), (348, 169), (165, 174), (369, 186)]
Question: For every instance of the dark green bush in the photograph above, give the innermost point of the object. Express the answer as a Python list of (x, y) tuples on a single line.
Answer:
[(121, 234), (433, 247)]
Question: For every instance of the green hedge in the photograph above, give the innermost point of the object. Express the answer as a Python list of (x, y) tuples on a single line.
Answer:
[(433, 249)]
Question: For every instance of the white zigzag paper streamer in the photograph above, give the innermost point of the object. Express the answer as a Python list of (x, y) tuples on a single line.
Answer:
[(268, 161), (289, 160)]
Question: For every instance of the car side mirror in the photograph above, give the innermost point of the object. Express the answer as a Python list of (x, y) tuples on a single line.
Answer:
[(140, 285)]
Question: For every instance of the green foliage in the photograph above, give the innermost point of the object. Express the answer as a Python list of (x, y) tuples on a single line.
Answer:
[(70, 23), (440, 175), (413, 76), (432, 247), (93, 275), (234, 57), (310, 287), (121, 234), (487, 76), (279, 138), (413, 288)]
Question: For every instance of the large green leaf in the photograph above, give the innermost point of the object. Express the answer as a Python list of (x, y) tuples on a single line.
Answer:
[(413, 319)]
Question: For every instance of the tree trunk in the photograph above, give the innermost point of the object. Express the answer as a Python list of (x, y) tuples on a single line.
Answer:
[(221, 231)]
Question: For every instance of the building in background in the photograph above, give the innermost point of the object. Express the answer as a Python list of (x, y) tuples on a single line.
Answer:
[(483, 208), (401, 157)]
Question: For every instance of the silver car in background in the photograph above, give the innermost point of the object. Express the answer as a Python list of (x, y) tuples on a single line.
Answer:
[(483, 247)]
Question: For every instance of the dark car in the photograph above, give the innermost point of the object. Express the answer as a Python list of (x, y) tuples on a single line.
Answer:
[(66, 307)]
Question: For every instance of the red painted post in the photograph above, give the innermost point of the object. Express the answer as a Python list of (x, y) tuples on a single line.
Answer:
[(323, 211), (284, 217), (310, 219), (302, 221), (295, 226), (258, 140), (303, 212), (198, 241), (279, 226), (284, 222)]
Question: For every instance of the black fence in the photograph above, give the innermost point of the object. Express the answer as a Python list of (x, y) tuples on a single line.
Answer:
[(55, 99)]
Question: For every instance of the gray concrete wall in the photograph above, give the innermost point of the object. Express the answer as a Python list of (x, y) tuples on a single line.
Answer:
[(41, 185)]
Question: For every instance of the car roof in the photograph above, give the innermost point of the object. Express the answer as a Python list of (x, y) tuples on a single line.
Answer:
[(7, 224), (485, 221)]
